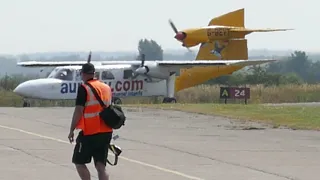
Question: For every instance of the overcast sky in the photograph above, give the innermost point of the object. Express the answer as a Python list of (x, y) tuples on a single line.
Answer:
[(82, 25)]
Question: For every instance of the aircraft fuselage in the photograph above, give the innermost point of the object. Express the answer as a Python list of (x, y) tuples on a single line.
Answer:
[(63, 83)]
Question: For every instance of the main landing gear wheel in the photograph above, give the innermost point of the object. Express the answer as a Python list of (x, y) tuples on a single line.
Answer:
[(169, 100), (26, 104), (116, 100)]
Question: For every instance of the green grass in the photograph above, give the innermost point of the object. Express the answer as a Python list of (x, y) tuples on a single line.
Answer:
[(295, 117)]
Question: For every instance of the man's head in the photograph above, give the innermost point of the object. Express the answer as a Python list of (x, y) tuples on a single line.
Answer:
[(87, 71)]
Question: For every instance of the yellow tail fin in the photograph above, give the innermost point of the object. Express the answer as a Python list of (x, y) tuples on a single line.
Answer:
[(234, 49), (234, 18)]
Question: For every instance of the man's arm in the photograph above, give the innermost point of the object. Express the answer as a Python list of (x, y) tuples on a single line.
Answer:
[(78, 110)]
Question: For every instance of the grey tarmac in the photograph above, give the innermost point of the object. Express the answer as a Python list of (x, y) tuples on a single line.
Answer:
[(159, 144)]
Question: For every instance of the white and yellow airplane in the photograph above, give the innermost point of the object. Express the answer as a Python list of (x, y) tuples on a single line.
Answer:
[(155, 78)]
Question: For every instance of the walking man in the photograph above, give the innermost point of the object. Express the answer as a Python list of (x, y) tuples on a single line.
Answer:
[(94, 138)]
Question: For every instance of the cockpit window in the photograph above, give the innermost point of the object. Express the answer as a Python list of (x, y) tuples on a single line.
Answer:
[(53, 72), (63, 74)]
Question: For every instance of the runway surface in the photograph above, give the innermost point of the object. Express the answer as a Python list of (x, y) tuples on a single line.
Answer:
[(159, 145)]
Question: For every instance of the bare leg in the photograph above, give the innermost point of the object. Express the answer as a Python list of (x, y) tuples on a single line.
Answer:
[(102, 173), (83, 171)]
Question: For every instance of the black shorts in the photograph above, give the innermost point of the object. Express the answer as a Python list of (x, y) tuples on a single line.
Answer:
[(91, 146)]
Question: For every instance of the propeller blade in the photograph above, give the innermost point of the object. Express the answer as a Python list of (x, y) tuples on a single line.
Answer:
[(143, 58), (173, 26), (177, 33), (89, 57)]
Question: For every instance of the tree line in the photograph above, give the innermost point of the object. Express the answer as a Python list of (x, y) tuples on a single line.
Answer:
[(298, 68)]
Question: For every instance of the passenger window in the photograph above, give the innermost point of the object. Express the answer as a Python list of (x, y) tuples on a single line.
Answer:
[(97, 75), (127, 74), (107, 75)]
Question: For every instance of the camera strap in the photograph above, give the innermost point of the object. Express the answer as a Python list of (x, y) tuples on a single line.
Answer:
[(116, 155)]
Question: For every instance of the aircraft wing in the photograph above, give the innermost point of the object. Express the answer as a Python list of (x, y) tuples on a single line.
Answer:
[(74, 63), (192, 63), (177, 65), (165, 63), (212, 63), (50, 63)]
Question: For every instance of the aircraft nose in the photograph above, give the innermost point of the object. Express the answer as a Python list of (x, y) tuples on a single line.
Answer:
[(43, 88), (180, 36), (21, 89), (26, 89)]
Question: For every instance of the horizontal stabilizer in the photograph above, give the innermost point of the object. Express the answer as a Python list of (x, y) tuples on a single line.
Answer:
[(253, 62)]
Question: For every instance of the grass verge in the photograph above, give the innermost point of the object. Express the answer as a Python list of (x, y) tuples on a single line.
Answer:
[(294, 117)]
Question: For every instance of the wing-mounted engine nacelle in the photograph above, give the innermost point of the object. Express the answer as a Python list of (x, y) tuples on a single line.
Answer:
[(142, 70), (152, 70)]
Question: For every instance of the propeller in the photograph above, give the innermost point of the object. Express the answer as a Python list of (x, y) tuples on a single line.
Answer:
[(180, 36), (142, 69), (89, 58)]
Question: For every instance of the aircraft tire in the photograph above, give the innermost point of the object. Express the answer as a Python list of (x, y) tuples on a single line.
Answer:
[(117, 100), (26, 104), (169, 100)]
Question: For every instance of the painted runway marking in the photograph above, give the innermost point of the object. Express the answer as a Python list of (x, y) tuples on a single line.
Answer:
[(121, 157)]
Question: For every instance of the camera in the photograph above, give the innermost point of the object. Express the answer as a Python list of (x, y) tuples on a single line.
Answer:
[(115, 149)]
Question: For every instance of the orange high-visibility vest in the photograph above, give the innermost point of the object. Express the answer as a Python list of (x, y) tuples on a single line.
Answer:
[(90, 122)]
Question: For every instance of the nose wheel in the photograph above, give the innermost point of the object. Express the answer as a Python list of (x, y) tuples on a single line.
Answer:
[(26, 103)]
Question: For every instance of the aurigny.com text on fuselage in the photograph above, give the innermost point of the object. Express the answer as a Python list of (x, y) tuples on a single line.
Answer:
[(118, 88)]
